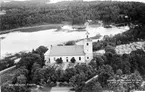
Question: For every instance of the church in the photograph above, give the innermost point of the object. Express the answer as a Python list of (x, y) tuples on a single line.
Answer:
[(81, 53)]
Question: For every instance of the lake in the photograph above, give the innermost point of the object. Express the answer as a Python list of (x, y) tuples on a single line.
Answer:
[(26, 41)]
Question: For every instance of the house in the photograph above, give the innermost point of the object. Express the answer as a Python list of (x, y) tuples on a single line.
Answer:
[(81, 53)]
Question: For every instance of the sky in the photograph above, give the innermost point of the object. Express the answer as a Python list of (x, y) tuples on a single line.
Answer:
[(55, 1)]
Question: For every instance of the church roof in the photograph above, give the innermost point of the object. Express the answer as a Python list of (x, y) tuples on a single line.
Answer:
[(75, 50)]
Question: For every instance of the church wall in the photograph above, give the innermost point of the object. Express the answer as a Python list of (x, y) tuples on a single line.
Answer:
[(46, 59), (88, 57), (64, 58)]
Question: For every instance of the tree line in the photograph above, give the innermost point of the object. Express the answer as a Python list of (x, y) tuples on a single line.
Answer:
[(132, 35), (20, 14)]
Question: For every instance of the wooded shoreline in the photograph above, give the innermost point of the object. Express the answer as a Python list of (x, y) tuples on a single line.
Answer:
[(33, 28)]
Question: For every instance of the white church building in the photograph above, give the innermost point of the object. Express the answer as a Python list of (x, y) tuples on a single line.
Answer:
[(81, 53)]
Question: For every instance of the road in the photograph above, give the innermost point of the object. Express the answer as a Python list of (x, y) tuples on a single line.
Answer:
[(1, 72)]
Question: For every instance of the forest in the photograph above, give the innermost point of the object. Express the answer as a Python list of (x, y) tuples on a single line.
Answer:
[(22, 14)]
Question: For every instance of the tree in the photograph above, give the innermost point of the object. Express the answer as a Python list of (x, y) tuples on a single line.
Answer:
[(134, 81), (78, 81), (126, 64), (7, 88), (41, 50), (21, 71), (14, 88), (36, 76), (70, 43), (92, 86), (22, 89), (28, 59), (21, 79), (110, 49), (135, 77), (73, 60), (48, 75), (105, 72), (59, 60), (76, 12), (93, 64), (69, 72), (136, 60), (99, 60), (36, 73), (59, 75), (119, 72), (35, 66)]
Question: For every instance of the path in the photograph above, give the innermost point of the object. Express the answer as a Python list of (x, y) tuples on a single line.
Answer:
[(1, 72), (96, 76)]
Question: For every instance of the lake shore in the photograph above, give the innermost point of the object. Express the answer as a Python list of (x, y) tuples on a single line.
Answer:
[(28, 38), (36, 28), (33, 28)]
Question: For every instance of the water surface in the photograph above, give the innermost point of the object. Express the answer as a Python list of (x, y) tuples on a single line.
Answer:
[(26, 41)]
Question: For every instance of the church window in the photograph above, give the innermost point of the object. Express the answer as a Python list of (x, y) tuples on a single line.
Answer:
[(87, 57), (87, 43), (79, 58), (60, 58), (66, 59)]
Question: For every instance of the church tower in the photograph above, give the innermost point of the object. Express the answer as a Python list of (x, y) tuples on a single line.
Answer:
[(88, 48)]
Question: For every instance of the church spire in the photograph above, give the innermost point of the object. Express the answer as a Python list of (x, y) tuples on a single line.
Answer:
[(86, 25), (87, 34)]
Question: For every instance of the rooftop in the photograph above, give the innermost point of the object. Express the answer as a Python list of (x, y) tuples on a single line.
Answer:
[(74, 50)]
